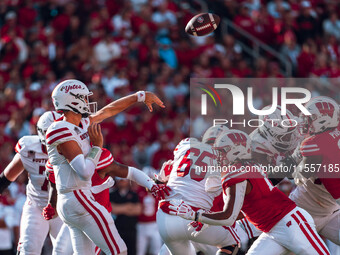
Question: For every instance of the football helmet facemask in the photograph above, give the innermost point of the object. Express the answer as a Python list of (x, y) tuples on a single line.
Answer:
[(284, 137)]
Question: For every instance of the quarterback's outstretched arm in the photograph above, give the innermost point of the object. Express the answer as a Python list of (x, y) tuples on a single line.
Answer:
[(121, 104), (11, 172)]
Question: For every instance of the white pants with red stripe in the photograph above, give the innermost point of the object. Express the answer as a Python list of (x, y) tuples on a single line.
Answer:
[(89, 222), (34, 229), (295, 232), (250, 230), (63, 244), (175, 234)]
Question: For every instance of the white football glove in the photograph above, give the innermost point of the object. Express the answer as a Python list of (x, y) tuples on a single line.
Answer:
[(196, 228), (182, 209)]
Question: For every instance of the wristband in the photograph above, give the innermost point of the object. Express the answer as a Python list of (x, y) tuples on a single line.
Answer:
[(141, 96), (4, 182), (198, 216), (94, 154)]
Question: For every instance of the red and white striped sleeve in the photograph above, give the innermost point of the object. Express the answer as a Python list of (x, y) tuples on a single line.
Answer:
[(19, 146), (105, 159), (58, 134), (310, 147)]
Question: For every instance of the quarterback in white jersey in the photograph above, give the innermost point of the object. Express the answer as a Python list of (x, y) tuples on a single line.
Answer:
[(74, 162), (32, 156), (189, 185)]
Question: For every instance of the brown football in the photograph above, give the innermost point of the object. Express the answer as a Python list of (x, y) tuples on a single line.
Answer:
[(202, 24)]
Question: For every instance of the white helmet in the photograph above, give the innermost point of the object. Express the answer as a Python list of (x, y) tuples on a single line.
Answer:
[(324, 114), (212, 133), (280, 130), (44, 122), (231, 145), (72, 95)]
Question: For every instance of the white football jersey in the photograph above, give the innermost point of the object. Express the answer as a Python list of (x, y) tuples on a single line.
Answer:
[(59, 132), (186, 183), (34, 156)]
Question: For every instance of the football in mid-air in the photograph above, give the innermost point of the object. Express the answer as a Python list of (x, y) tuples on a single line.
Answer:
[(202, 24)]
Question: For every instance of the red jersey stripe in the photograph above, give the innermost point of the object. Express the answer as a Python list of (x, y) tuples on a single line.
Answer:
[(58, 138), (56, 131)]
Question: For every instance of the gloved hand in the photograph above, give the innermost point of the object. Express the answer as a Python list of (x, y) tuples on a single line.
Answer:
[(196, 228), (159, 191), (183, 210), (48, 212)]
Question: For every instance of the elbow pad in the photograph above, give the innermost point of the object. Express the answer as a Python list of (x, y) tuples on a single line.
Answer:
[(140, 177), (85, 167), (4, 182), (239, 198)]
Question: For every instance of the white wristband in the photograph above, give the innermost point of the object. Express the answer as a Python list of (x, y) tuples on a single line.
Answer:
[(141, 96)]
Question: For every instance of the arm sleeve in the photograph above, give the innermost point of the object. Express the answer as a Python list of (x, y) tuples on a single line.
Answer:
[(239, 198), (85, 167), (140, 178)]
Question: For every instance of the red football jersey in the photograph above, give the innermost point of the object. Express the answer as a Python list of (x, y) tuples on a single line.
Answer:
[(327, 145), (149, 206), (265, 205), (103, 197)]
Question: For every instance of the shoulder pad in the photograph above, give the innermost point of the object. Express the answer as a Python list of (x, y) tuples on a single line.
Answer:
[(105, 159), (28, 143), (59, 132)]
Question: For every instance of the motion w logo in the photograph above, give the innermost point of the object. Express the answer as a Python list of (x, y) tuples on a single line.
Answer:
[(238, 138), (325, 108)]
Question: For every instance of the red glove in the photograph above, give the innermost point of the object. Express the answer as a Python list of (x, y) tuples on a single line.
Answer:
[(159, 191), (48, 212)]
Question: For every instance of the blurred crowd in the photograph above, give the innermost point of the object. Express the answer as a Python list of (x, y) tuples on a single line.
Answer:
[(119, 47)]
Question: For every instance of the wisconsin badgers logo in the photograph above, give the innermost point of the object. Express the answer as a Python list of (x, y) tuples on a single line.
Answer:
[(70, 87), (325, 108)]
